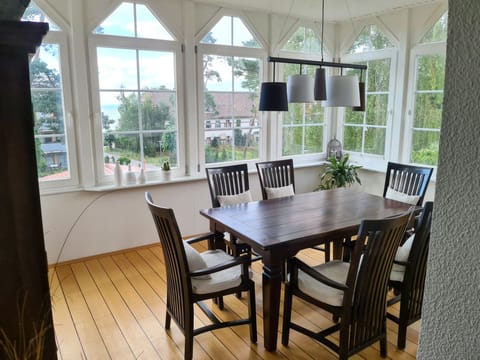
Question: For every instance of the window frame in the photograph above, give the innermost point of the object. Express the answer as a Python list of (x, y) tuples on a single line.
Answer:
[(372, 161), (432, 49), (133, 43), (60, 38)]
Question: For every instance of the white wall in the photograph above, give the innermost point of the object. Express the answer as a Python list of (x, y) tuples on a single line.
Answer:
[(451, 320)]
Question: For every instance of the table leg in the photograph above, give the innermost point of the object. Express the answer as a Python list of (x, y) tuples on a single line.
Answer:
[(272, 282)]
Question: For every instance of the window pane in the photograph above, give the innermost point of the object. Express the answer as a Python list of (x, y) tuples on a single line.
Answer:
[(304, 40), (354, 117), (242, 36), (352, 138), (370, 39), (378, 75), (148, 25), (377, 109), (375, 141), (157, 70), (122, 147), (49, 119), (33, 13), (438, 32), (158, 147), (158, 112), (428, 110), (313, 139), (430, 72), (117, 68), (425, 147), (292, 141), (120, 23), (128, 111), (231, 31)]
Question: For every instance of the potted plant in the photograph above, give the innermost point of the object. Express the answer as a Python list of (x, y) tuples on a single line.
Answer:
[(339, 173), (166, 170)]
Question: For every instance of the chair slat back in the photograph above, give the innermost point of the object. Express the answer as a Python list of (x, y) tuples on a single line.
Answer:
[(227, 180), (408, 179), (178, 282), (415, 272), (274, 174), (368, 277)]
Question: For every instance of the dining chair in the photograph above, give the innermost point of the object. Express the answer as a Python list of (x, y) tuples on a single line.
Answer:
[(277, 179), (406, 183), (353, 292), (407, 278), (193, 277), (229, 185)]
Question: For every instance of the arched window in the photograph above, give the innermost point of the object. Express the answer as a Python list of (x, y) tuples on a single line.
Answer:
[(303, 125), (137, 103), (366, 133), (231, 69)]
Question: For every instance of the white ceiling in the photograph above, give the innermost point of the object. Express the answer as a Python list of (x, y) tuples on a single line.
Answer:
[(335, 10)]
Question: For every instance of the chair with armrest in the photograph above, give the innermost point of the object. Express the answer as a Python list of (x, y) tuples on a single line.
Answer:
[(408, 275), (193, 277), (277, 179), (354, 292), (406, 183), (229, 185)]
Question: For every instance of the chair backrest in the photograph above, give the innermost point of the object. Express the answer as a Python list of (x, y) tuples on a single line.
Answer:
[(227, 180), (367, 279), (415, 272), (179, 286), (408, 179), (275, 174)]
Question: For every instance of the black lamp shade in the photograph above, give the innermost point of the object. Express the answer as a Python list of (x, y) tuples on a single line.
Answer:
[(361, 88), (319, 88), (273, 96)]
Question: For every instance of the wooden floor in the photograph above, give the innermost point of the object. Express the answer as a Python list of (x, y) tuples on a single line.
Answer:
[(113, 307)]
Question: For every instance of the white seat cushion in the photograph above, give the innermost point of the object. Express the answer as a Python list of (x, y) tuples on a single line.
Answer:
[(226, 200), (218, 281), (335, 270), (403, 252), (279, 192), (402, 197)]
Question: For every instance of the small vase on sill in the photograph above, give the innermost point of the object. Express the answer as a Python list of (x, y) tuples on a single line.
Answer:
[(166, 175)]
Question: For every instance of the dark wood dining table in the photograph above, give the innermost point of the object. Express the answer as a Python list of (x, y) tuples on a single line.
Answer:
[(277, 229)]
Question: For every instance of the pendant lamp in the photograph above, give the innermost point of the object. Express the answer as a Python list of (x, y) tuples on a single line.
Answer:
[(361, 88), (300, 88), (319, 91), (273, 95), (342, 91)]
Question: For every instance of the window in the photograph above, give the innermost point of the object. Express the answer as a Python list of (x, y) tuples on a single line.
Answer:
[(303, 124), (137, 61), (366, 132), (51, 106), (231, 68), (427, 98)]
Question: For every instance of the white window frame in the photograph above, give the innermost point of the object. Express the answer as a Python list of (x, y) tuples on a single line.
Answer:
[(433, 49), (236, 51), (372, 161), (120, 42), (60, 38)]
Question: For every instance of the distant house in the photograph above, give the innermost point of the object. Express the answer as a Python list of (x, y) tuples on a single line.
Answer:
[(55, 154)]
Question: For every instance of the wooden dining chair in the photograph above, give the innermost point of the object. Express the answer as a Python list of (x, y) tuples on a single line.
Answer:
[(354, 292), (193, 277), (407, 278), (406, 183), (277, 179), (229, 185)]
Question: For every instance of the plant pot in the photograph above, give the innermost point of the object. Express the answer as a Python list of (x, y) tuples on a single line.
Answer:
[(166, 175), (12, 9)]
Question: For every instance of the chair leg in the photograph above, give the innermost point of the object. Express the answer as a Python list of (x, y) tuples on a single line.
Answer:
[(167, 321), (188, 345), (402, 336), (327, 251), (252, 313), (383, 346), (287, 315)]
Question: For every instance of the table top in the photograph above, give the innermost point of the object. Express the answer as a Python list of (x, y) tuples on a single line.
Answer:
[(304, 219)]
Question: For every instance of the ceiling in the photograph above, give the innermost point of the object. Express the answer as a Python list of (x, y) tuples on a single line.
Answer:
[(335, 10)]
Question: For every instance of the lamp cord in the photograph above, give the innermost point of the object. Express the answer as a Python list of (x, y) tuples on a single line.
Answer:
[(323, 25)]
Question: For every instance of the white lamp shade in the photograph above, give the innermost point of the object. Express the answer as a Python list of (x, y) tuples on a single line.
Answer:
[(300, 89), (342, 91)]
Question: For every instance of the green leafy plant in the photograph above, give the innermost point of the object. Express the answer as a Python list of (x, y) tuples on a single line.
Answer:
[(166, 165), (339, 173)]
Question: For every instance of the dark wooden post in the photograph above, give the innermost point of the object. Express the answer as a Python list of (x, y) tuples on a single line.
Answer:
[(24, 290)]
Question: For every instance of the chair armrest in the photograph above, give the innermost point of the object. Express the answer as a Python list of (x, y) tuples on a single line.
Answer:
[(241, 260), (198, 238), (295, 262)]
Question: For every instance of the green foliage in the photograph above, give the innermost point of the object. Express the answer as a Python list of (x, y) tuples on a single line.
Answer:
[(369, 39), (166, 165), (124, 160), (339, 173)]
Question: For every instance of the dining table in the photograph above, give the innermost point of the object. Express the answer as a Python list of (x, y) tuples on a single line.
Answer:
[(279, 228)]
